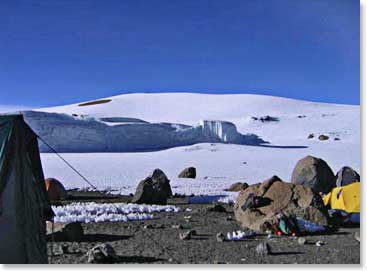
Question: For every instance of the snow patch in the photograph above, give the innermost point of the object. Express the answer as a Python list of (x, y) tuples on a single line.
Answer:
[(107, 212)]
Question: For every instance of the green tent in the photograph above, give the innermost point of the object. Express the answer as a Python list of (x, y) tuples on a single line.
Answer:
[(24, 206)]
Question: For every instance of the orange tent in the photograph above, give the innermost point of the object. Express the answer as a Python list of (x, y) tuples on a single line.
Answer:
[(55, 189)]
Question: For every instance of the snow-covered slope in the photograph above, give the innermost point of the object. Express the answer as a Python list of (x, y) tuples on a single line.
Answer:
[(190, 108), (287, 127)]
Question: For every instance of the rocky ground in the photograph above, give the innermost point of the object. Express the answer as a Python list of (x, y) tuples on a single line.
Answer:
[(157, 241)]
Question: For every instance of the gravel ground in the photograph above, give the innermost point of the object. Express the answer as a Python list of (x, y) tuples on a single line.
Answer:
[(160, 243)]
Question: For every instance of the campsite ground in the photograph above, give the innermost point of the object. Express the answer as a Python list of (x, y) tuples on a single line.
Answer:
[(135, 242)]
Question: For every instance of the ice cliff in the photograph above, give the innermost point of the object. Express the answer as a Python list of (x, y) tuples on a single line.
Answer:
[(68, 133)]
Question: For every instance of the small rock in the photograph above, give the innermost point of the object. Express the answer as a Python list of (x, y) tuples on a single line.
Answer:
[(189, 172), (177, 226), (310, 136), (237, 187), (302, 241), (320, 243), (337, 139), (184, 236), (159, 226), (263, 249), (357, 236), (323, 137), (220, 237), (217, 208), (229, 218), (57, 250), (149, 226), (103, 253), (219, 262)]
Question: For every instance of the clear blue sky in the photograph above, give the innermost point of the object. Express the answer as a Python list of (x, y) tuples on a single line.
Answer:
[(62, 51)]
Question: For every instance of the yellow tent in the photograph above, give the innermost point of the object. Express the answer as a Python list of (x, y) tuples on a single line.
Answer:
[(346, 198)]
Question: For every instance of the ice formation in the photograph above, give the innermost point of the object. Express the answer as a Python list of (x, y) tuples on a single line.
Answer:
[(107, 212)]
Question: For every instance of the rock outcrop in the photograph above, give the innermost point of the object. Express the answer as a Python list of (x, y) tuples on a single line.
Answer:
[(274, 197)]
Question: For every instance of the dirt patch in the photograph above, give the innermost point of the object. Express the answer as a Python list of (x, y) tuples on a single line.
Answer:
[(157, 241), (95, 102)]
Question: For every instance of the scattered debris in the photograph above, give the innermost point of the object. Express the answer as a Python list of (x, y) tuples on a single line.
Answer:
[(177, 226), (357, 236), (229, 218), (103, 253), (302, 241), (320, 243), (310, 136), (301, 116), (239, 235), (187, 235), (263, 249), (266, 119), (337, 139), (220, 237)]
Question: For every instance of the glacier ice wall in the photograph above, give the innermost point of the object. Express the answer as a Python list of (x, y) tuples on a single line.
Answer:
[(71, 134)]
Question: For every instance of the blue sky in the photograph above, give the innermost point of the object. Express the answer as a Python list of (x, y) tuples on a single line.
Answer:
[(59, 51)]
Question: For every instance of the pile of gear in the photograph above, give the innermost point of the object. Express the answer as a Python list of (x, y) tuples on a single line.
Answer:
[(315, 201)]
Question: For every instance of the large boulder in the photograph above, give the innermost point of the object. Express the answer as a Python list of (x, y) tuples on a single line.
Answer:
[(315, 173), (155, 189), (346, 175), (274, 197), (189, 172), (237, 187)]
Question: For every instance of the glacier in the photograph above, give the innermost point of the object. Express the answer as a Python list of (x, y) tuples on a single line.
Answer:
[(77, 134)]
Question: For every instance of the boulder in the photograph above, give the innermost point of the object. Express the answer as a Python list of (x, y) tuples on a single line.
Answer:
[(237, 187), (273, 197), (346, 175), (155, 189), (323, 137), (315, 173), (65, 232), (189, 172), (103, 253)]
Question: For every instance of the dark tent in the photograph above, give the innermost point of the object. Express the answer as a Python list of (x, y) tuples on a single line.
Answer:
[(24, 206)]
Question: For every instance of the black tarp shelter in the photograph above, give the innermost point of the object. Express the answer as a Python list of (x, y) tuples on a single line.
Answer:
[(24, 206)]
